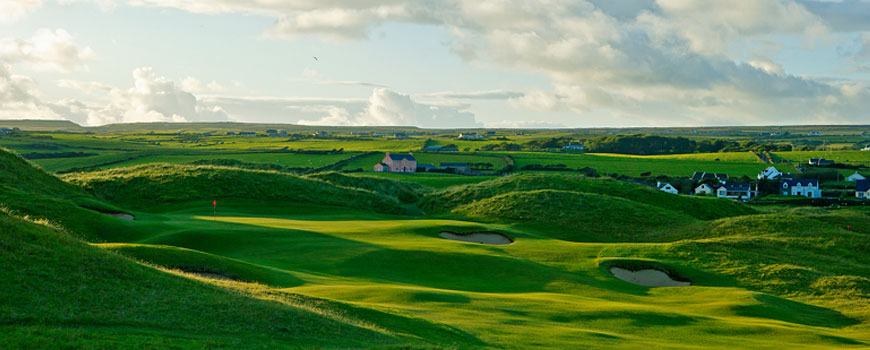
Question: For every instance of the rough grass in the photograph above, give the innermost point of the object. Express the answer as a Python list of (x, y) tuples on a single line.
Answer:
[(697, 207), (403, 191), (148, 185), (577, 216)]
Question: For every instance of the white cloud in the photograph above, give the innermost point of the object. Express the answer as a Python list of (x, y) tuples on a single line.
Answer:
[(46, 50), (19, 97), (14, 10), (390, 108), (192, 84), (475, 95)]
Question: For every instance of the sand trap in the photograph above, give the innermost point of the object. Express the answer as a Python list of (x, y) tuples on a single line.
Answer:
[(122, 216), (481, 237), (647, 277)]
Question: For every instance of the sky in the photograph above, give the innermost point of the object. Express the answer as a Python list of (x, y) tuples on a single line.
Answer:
[(438, 64)]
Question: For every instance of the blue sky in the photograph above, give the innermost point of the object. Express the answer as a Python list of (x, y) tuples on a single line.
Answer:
[(494, 63)]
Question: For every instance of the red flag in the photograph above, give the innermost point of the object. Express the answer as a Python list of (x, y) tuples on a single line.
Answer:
[(214, 204)]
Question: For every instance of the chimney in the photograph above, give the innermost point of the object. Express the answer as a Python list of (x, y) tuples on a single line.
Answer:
[(410, 153), (388, 154)]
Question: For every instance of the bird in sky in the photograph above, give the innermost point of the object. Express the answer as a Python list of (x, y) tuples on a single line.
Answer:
[(315, 58)]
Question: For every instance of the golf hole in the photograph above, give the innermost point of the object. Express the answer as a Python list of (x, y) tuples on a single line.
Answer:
[(480, 237), (648, 277)]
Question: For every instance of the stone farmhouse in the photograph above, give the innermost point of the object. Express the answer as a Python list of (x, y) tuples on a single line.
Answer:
[(397, 163)]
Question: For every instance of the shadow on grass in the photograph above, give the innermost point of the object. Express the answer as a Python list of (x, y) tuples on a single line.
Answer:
[(636, 318), (785, 310)]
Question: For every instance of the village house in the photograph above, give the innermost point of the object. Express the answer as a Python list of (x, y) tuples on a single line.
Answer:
[(820, 162), (470, 136), (855, 177), (698, 176), (397, 163), (866, 148), (247, 134), (769, 174), (734, 190), (574, 147), (704, 189), (800, 187), (666, 187), (5, 131), (862, 189)]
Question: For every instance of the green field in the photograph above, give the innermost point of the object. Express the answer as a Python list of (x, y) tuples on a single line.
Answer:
[(333, 260), (733, 164), (861, 158)]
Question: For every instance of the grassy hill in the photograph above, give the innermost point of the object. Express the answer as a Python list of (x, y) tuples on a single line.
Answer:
[(577, 216), (403, 191), (697, 207), (147, 185), (61, 292)]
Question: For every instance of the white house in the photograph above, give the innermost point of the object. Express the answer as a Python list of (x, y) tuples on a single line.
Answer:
[(734, 190), (866, 148), (769, 174), (470, 136), (862, 189), (574, 147), (855, 177), (666, 187), (704, 188), (800, 187)]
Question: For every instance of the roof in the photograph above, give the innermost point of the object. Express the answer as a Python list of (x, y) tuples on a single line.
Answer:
[(698, 175), (402, 156), (802, 182), (433, 148), (736, 186), (454, 165), (862, 185), (426, 166)]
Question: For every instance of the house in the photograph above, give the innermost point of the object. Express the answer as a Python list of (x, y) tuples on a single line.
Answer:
[(271, 131), (855, 177), (866, 148), (820, 162), (457, 166), (397, 163), (426, 167), (247, 134), (734, 190), (574, 147), (769, 174), (470, 136), (666, 187), (5, 131), (277, 133), (704, 189), (490, 133), (380, 134), (521, 133), (862, 189), (230, 133), (800, 187), (698, 176), (320, 134), (359, 133)]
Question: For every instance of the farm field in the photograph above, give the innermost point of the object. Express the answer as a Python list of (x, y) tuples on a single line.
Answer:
[(861, 158), (366, 163), (289, 160), (736, 165)]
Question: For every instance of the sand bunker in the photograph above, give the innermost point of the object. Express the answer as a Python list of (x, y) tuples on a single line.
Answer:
[(647, 277), (481, 237), (122, 216)]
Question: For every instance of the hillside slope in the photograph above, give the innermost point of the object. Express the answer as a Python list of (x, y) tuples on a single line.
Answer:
[(577, 216), (154, 184), (59, 291), (697, 207)]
